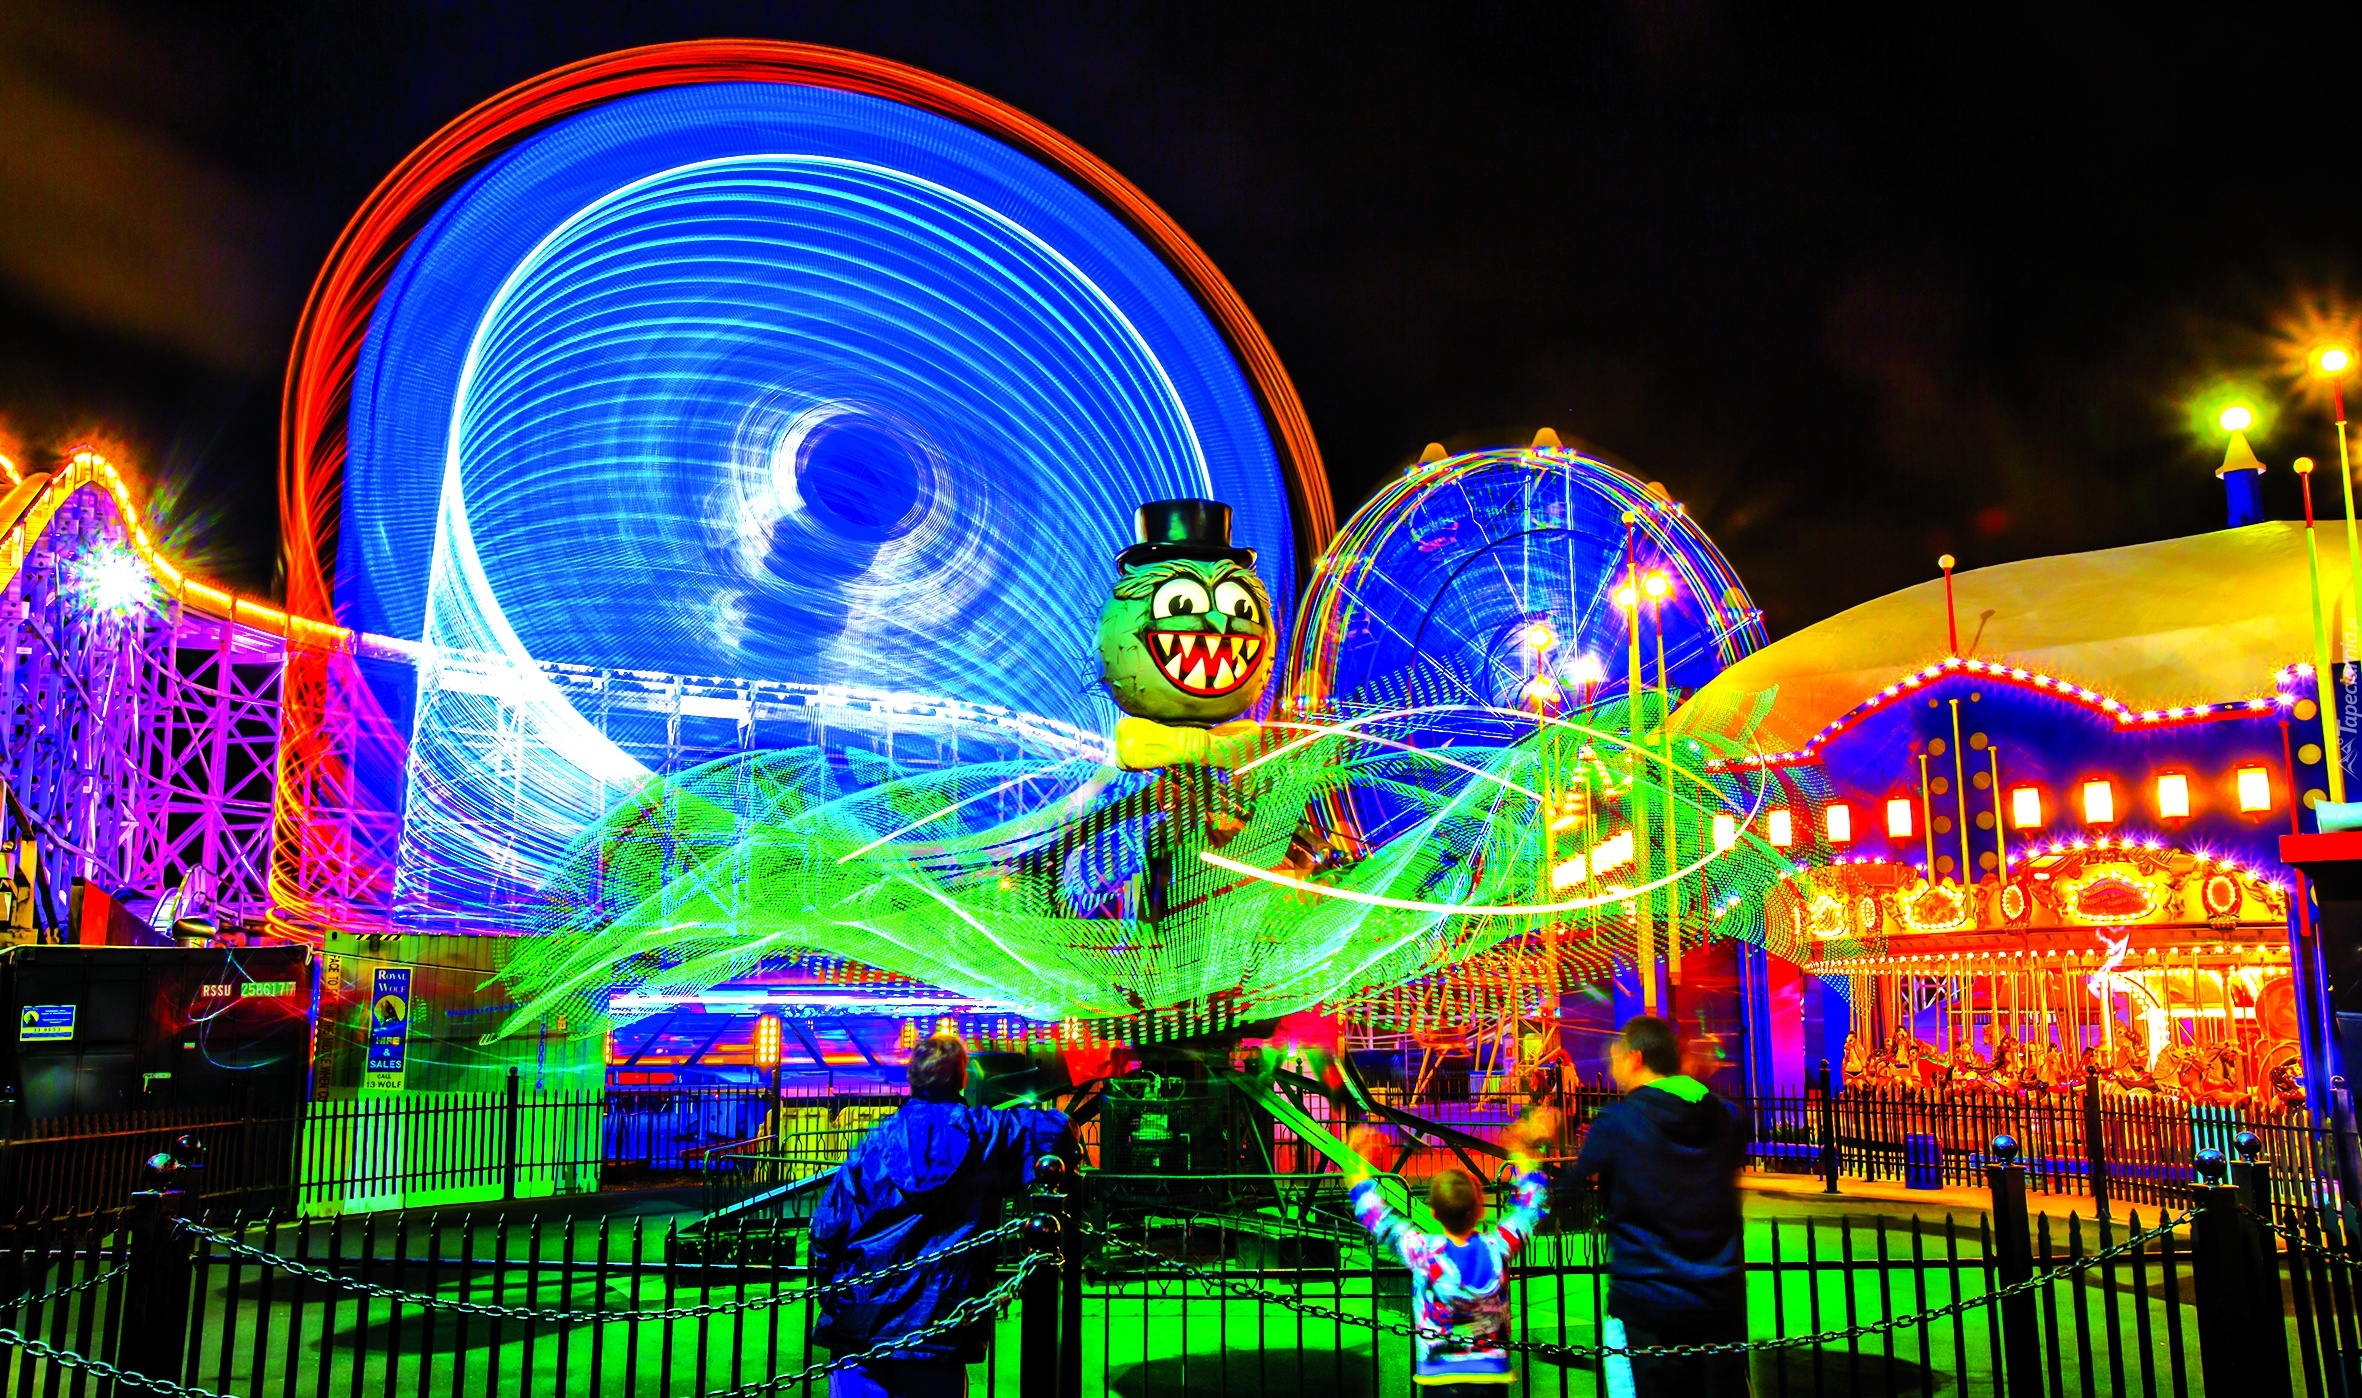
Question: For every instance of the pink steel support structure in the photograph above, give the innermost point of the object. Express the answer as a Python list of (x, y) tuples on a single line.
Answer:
[(142, 734)]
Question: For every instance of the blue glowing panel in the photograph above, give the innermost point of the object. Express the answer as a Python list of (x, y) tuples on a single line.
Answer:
[(784, 384)]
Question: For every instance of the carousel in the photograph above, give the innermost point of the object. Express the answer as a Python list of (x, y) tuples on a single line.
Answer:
[(2151, 970)]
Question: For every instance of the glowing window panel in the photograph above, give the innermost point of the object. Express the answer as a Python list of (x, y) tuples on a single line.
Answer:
[(1780, 827), (2025, 807), (1840, 824), (2255, 789), (1898, 818), (2099, 802), (1726, 831), (2173, 797)]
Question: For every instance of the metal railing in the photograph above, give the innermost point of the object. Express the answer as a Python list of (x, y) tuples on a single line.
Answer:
[(1227, 1297)]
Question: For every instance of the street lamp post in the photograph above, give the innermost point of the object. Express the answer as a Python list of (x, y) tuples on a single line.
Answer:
[(2324, 694), (1644, 911), (1657, 587), (767, 1039), (2333, 362)]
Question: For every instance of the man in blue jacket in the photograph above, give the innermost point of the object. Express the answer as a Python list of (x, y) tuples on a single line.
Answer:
[(929, 1177), (1668, 1156)]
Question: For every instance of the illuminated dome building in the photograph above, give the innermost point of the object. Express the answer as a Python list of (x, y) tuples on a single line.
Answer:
[(2049, 851)]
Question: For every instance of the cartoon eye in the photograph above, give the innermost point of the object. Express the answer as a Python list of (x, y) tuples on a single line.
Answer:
[(1237, 601), (1179, 597)]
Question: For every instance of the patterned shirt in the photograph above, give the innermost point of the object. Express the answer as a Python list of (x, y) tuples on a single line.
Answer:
[(1459, 1291)]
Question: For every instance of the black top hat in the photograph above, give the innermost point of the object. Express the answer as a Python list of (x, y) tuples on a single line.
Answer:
[(1183, 529)]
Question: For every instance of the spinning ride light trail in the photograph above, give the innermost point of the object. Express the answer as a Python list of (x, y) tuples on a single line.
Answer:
[(1017, 900), (748, 384)]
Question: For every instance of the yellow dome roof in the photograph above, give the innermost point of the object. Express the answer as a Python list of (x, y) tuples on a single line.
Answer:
[(2184, 621)]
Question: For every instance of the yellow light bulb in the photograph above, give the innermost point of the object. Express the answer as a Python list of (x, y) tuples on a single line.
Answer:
[(2333, 360), (1657, 586), (2236, 418), (1627, 598)]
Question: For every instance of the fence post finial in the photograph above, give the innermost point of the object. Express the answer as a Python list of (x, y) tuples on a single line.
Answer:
[(2013, 1262)]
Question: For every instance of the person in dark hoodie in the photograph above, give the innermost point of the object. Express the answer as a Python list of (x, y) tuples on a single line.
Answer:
[(1667, 1156), (927, 1178)]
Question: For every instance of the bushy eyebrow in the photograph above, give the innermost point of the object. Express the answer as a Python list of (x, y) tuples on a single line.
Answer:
[(1141, 581)]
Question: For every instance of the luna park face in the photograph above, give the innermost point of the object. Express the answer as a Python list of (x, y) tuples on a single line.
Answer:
[(1186, 641)]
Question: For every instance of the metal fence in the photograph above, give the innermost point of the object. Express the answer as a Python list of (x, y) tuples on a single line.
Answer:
[(1252, 1286), (82, 1164), (426, 1149), (419, 1150), (2107, 1147)]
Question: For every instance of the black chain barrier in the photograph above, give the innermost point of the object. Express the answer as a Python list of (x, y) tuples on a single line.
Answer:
[(67, 1290), (2298, 1242), (1584, 1353), (569, 1317), (101, 1369), (966, 1313), (962, 1315), (996, 1301)]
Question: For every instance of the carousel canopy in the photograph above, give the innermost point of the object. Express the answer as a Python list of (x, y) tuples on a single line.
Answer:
[(2181, 621)]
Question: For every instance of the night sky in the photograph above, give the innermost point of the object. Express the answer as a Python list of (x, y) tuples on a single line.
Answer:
[(1858, 287)]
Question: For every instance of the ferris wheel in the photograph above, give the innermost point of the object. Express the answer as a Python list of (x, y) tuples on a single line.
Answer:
[(1534, 586), (1493, 578)]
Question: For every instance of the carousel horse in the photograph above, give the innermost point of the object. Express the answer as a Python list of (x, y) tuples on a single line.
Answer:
[(2218, 1083), (1973, 1072), (2177, 1069), (2006, 1071), (2283, 1088), (1856, 1061)]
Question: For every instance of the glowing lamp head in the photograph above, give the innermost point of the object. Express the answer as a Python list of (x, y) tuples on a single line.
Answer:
[(115, 580), (2333, 359), (2173, 796), (1538, 636), (1779, 827), (1657, 587), (1628, 597), (2237, 418), (1840, 823), (1586, 669), (767, 1041), (2255, 790), (2025, 807), (1541, 695), (2099, 802), (1898, 818), (1726, 831)]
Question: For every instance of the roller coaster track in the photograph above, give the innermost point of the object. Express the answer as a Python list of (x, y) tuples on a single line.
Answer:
[(143, 705)]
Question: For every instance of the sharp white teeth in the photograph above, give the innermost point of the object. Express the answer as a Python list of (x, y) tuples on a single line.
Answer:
[(1222, 675)]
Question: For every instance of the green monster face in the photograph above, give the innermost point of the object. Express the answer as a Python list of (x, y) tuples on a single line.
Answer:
[(1186, 640)]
